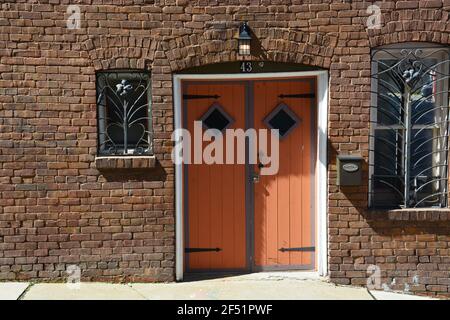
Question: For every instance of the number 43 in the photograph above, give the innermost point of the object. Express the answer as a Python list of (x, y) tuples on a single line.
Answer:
[(246, 67)]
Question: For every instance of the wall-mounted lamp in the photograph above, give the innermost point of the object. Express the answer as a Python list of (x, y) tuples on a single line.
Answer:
[(244, 40)]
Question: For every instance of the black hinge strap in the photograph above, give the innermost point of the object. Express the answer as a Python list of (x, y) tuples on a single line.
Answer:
[(199, 96), (191, 250), (304, 249), (299, 95)]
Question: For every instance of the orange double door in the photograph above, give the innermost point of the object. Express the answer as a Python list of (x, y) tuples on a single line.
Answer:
[(238, 218)]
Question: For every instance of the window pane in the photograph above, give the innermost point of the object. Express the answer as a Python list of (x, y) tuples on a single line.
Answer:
[(387, 180), (423, 94), (384, 194), (427, 170), (216, 118), (388, 152), (421, 152), (390, 88), (283, 119)]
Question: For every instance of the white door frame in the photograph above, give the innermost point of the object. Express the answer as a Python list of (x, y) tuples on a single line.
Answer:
[(321, 173)]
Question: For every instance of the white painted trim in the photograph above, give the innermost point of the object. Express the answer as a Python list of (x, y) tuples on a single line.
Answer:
[(322, 164), (179, 234), (322, 173)]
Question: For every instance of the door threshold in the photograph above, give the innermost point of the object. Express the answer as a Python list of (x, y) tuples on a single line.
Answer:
[(252, 275), (211, 275)]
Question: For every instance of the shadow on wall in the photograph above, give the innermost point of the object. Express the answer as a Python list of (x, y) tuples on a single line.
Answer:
[(256, 47), (158, 173), (387, 227), (383, 222)]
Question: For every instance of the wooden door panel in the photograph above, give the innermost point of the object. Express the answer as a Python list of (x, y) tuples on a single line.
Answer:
[(283, 202), (215, 194)]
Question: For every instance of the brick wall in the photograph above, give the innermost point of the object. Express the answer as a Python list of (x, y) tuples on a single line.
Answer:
[(57, 208)]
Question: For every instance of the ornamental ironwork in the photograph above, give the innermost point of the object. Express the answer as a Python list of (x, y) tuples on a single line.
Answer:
[(124, 113), (409, 127)]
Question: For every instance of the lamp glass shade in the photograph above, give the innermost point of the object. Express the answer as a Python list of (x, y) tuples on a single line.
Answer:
[(244, 47)]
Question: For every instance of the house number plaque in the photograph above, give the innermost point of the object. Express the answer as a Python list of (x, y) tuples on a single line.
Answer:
[(246, 67)]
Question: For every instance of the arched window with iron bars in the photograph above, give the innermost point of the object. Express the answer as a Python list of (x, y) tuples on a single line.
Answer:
[(409, 126)]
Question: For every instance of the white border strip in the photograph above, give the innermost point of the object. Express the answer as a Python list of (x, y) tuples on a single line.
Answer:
[(321, 166), (179, 234), (322, 173)]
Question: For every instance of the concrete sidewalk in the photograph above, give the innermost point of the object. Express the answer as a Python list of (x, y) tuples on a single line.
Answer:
[(12, 290), (260, 286)]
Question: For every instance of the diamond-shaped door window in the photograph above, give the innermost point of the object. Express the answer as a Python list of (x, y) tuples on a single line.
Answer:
[(283, 119), (216, 118)]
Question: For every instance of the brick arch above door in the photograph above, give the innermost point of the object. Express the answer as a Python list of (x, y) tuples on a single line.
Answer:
[(276, 44)]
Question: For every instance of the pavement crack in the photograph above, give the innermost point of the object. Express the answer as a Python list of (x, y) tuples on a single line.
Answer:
[(137, 291), (370, 293), (22, 295)]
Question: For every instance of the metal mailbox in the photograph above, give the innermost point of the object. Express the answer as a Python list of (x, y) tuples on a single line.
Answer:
[(349, 171)]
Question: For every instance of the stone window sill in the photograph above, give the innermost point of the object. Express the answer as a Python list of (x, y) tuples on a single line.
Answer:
[(426, 214), (126, 162)]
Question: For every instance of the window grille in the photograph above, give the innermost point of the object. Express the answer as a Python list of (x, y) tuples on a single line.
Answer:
[(124, 113), (409, 127)]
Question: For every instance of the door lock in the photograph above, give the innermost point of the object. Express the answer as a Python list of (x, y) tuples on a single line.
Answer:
[(255, 178)]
